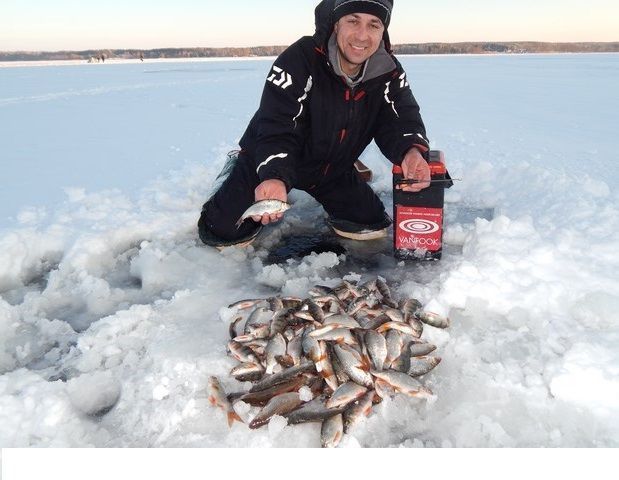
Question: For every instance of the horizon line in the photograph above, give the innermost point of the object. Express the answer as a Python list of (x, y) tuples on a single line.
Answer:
[(285, 45)]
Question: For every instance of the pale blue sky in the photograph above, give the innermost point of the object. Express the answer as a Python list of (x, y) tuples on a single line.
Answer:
[(84, 24)]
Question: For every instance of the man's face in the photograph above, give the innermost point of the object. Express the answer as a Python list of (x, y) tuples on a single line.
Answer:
[(358, 37)]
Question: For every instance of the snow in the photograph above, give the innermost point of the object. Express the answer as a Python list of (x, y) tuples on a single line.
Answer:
[(108, 299), (94, 394)]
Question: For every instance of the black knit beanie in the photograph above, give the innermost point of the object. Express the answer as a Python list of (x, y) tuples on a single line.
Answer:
[(378, 8)]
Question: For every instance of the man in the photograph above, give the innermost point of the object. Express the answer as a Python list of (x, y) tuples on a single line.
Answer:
[(325, 99)]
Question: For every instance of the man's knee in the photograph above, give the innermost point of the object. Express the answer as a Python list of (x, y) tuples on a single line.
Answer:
[(226, 234), (217, 223)]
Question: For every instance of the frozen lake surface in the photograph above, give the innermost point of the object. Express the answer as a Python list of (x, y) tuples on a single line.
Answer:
[(106, 290)]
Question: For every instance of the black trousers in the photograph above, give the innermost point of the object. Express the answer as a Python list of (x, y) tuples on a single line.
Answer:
[(350, 202)]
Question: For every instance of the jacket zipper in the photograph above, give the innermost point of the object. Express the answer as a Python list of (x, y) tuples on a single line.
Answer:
[(351, 98)]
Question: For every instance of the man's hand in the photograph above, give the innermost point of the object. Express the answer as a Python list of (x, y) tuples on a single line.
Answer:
[(415, 166), (271, 189)]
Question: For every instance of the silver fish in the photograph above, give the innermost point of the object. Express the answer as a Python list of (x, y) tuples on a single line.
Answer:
[(394, 314), (328, 300), (257, 334), (433, 319), (384, 389), (420, 349), (276, 347), (355, 366), (340, 374), (248, 372), (356, 305), (340, 335), (325, 367), (403, 383), (384, 290), (345, 394), (370, 312), (263, 207), (320, 330), (275, 303), (399, 326), (355, 290), (262, 397), (280, 320), (416, 325), (321, 290), (295, 349), (342, 321), (257, 345), (410, 307), (217, 397), (403, 362), (358, 410), (377, 348), (394, 346), (332, 431), (313, 411), (342, 291), (280, 405), (335, 306), (314, 310), (422, 365), (242, 352), (292, 302), (374, 323), (304, 315), (246, 303), (282, 376), (259, 318), (311, 347), (232, 327)]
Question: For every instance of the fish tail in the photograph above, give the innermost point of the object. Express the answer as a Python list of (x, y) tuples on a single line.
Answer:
[(232, 416)]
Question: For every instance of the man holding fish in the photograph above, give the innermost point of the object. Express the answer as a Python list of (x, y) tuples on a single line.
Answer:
[(326, 98)]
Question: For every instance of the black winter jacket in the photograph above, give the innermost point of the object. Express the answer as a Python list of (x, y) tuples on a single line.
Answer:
[(311, 126)]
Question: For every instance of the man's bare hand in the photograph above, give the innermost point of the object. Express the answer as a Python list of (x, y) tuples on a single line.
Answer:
[(271, 189), (414, 166)]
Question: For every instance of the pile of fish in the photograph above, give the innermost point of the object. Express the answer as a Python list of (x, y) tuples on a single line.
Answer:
[(327, 358)]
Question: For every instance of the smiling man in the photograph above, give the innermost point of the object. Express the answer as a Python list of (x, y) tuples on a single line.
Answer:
[(358, 37), (325, 99)]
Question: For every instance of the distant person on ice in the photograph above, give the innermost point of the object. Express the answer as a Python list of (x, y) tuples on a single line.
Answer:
[(325, 99)]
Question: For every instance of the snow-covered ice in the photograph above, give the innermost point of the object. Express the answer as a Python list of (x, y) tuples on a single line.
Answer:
[(108, 299)]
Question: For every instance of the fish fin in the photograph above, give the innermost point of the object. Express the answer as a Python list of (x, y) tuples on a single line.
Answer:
[(232, 416), (238, 223), (366, 364), (322, 357)]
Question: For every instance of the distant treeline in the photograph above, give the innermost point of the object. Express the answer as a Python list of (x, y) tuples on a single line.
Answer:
[(409, 48), (505, 47)]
